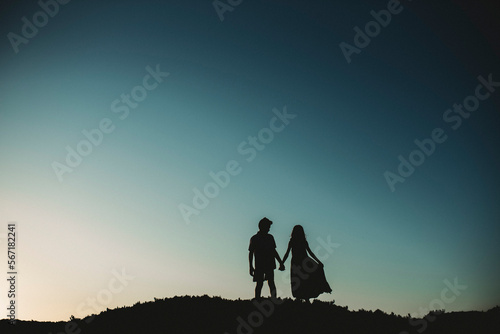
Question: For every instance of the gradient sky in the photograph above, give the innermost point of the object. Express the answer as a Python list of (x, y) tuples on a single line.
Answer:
[(119, 209)]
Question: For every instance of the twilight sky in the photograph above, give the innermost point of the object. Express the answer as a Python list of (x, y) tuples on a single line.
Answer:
[(142, 141)]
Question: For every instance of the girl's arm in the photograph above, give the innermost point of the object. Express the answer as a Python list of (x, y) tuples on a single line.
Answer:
[(287, 252), (312, 254)]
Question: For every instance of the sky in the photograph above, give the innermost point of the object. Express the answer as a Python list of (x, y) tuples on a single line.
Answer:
[(141, 143)]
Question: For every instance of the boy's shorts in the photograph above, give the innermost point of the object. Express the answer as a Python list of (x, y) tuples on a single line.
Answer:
[(261, 275)]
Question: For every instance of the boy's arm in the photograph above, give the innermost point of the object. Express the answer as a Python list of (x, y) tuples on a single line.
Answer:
[(277, 256), (250, 261)]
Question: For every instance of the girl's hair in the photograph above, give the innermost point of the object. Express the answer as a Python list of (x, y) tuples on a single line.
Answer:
[(298, 234)]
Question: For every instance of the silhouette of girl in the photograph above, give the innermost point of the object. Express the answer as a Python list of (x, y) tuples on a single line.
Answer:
[(307, 276)]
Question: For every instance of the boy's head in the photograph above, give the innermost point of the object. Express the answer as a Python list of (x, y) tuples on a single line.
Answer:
[(265, 224)]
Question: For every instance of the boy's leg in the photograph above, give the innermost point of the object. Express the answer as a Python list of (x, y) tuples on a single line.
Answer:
[(258, 289), (272, 286), (259, 278)]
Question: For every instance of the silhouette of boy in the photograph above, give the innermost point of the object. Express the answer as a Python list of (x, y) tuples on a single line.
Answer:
[(263, 247)]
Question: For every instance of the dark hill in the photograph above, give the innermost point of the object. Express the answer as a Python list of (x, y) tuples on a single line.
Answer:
[(215, 315)]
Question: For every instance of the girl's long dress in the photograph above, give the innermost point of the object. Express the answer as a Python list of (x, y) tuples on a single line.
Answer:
[(307, 277)]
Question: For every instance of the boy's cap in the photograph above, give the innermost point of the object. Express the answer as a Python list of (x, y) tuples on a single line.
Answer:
[(264, 222)]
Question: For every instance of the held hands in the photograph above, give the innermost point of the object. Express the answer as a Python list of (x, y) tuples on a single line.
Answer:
[(281, 268)]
